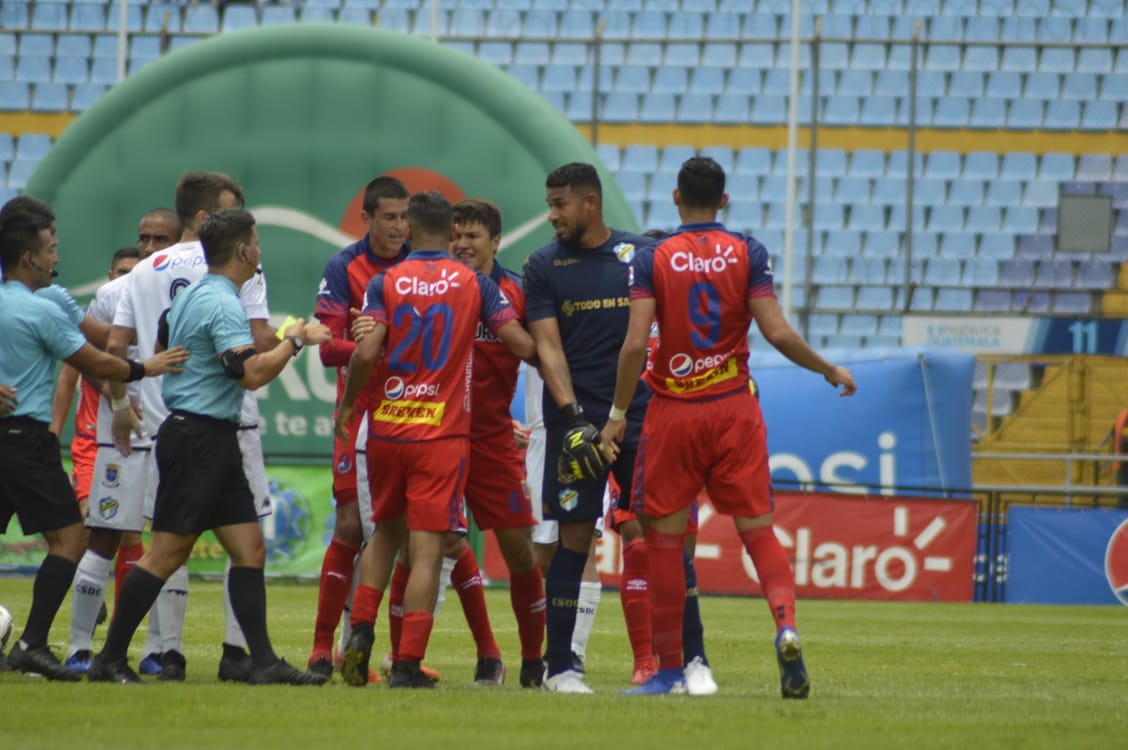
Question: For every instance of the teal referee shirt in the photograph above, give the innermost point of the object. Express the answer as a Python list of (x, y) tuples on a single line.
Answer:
[(37, 333), (207, 318)]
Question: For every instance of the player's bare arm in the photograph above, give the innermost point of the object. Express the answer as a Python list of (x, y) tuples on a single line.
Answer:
[(362, 325), (632, 358), (361, 362), (264, 334), (64, 397), (259, 369), (779, 333), (126, 416), (553, 365), (95, 331), (518, 341)]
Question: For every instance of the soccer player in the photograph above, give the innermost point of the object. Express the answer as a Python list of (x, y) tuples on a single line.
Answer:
[(201, 432), (33, 485), (577, 309), (495, 491), (147, 293), (426, 309), (703, 427), (384, 212)]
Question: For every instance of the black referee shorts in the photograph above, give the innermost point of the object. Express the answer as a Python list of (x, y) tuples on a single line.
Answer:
[(33, 485), (202, 485)]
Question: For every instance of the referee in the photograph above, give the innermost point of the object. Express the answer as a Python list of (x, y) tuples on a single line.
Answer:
[(202, 483), (33, 485)]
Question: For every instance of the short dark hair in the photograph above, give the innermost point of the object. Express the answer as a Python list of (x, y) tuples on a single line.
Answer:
[(20, 225), (429, 213), (382, 187), (479, 211), (164, 214), (200, 191), (25, 204), (701, 182), (125, 252), (575, 175), (222, 231), (656, 234)]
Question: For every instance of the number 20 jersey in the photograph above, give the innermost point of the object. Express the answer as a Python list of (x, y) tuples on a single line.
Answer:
[(432, 305), (701, 278)]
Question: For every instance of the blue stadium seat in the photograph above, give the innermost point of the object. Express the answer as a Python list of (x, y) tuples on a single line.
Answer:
[(671, 158), (874, 297), (1094, 167), (20, 171), (308, 14), (610, 155), (695, 108), (577, 24), (769, 109), (238, 18), (1016, 272), (957, 244), (530, 76), (1091, 60), (943, 271), (981, 165), (50, 97), (723, 155), (1025, 114), (945, 219), (1056, 60), (1004, 193), (966, 83), (921, 300), (72, 70), (930, 191), (649, 25), (1080, 86), (145, 48), (822, 324), (744, 81), (539, 24), (49, 16), (868, 56), (1096, 274), (1020, 220), (657, 108), (103, 70), (200, 18), (1003, 84), (882, 244), (855, 83), (645, 53), (992, 301), (1055, 274), (728, 25), (754, 161), (32, 147), (889, 191), (278, 15), (632, 79), (732, 109), (570, 53), (133, 19), (1056, 166), (869, 270), (503, 22), (867, 163), (776, 82), (670, 79), (965, 191), (663, 215), (1072, 303), (640, 158), (859, 325), (85, 95), (1031, 302), (981, 271), (497, 53), (951, 112), (835, 297), (952, 300), (14, 15), (1035, 246), (1019, 166), (841, 110), (1042, 85), (1062, 115), (852, 190), (983, 219), (72, 45), (36, 45), (942, 57), (559, 78), (531, 53), (981, 59), (1099, 115), (618, 24), (33, 69), (1018, 59), (633, 185), (843, 243)]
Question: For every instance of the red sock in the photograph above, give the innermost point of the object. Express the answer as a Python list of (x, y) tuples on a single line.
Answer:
[(366, 603), (774, 570), (636, 599), (416, 633), (667, 595), (127, 557), (395, 606), (336, 579), (526, 594), (467, 581)]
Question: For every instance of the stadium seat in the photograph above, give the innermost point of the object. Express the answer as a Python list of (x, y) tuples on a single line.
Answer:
[(1003, 193), (966, 192), (33, 69), (1016, 272), (503, 22), (1099, 115), (930, 191), (768, 109), (1055, 274), (992, 301), (873, 297), (657, 108), (72, 70), (835, 297), (1035, 246), (640, 158), (852, 190), (867, 270), (200, 19), (981, 272), (671, 79), (1056, 166), (1090, 60), (957, 244), (695, 108), (50, 97), (945, 219), (1062, 115), (1096, 274), (49, 16), (983, 219), (744, 81), (1072, 303), (14, 15), (943, 271), (1025, 114), (85, 95), (278, 15), (1020, 220), (881, 244), (1094, 167), (1031, 302), (239, 17)]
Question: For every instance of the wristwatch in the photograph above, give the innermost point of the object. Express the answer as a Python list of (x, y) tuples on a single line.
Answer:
[(297, 342)]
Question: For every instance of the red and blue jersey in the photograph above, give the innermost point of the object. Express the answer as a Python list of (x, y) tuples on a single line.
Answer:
[(431, 305), (495, 367), (701, 279), (342, 287)]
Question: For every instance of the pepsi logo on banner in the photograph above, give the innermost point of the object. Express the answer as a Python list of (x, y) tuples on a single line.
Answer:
[(1116, 562)]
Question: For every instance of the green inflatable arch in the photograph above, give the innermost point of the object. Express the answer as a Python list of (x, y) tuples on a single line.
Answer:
[(304, 116)]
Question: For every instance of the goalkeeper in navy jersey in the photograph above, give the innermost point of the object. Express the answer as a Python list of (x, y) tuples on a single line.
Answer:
[(578, 305)]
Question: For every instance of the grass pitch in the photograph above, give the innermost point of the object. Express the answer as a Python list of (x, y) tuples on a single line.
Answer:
[(884, 675)]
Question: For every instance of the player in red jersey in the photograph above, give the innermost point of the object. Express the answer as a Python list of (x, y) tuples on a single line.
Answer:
[(384, 212), (495, 487), (426, 310), (703, 427)]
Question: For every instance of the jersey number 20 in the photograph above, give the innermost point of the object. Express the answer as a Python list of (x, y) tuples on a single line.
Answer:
[(431, 329)]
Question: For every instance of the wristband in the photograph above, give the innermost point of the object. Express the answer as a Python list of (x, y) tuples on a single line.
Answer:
[(297, 342), (117, 404), (617, 414), (572, 414), (136, 370)]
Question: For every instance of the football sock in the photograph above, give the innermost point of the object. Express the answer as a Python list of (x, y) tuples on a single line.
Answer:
[(366, 604), (693, 630), (590, 594), (445, 574), (173, 605), (416, 632), (346, 613), (774, 570), (248, 597), (138, 593), (467, 580), (562, 590), (395, 604), (232, 633), (667, 595), (336, 578), (47, 593), (636, 600), (89, 594), (526, 594), (127, 557), (152, 632)]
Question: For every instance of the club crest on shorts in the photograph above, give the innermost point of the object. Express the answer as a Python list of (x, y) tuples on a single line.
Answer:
[(112, 475), (108, 507), (569, 499)]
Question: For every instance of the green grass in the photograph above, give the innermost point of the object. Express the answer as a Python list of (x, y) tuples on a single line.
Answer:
[(884, 675)]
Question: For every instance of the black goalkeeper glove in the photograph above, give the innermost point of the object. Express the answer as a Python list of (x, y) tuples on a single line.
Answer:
[(580, 456)]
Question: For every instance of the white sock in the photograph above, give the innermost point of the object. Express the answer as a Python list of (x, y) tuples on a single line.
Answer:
[(444, 581), (232, 633), (590, 593), (346, 614), (173, 604), (153, 633), (89, 594)]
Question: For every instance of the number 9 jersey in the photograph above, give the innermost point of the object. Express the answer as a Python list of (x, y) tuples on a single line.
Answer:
[(431, 305), (702, 278)]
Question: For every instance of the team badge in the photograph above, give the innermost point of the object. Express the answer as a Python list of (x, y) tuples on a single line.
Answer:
[(108, 508), (569, 499), (344, 464), (112, 477), (624, 251)]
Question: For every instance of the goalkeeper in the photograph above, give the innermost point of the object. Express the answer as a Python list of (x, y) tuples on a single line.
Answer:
[(578, 306)]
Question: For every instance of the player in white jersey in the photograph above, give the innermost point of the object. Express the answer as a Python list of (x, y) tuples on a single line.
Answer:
[(147, 295), (546, 532)]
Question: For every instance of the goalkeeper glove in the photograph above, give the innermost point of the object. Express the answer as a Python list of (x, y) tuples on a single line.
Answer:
[(580, 455)]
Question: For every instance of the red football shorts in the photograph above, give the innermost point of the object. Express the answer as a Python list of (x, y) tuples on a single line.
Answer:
[(83, 452), (344, 464), (424, 481), (720, 445), (617, 516), (495, 488)]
